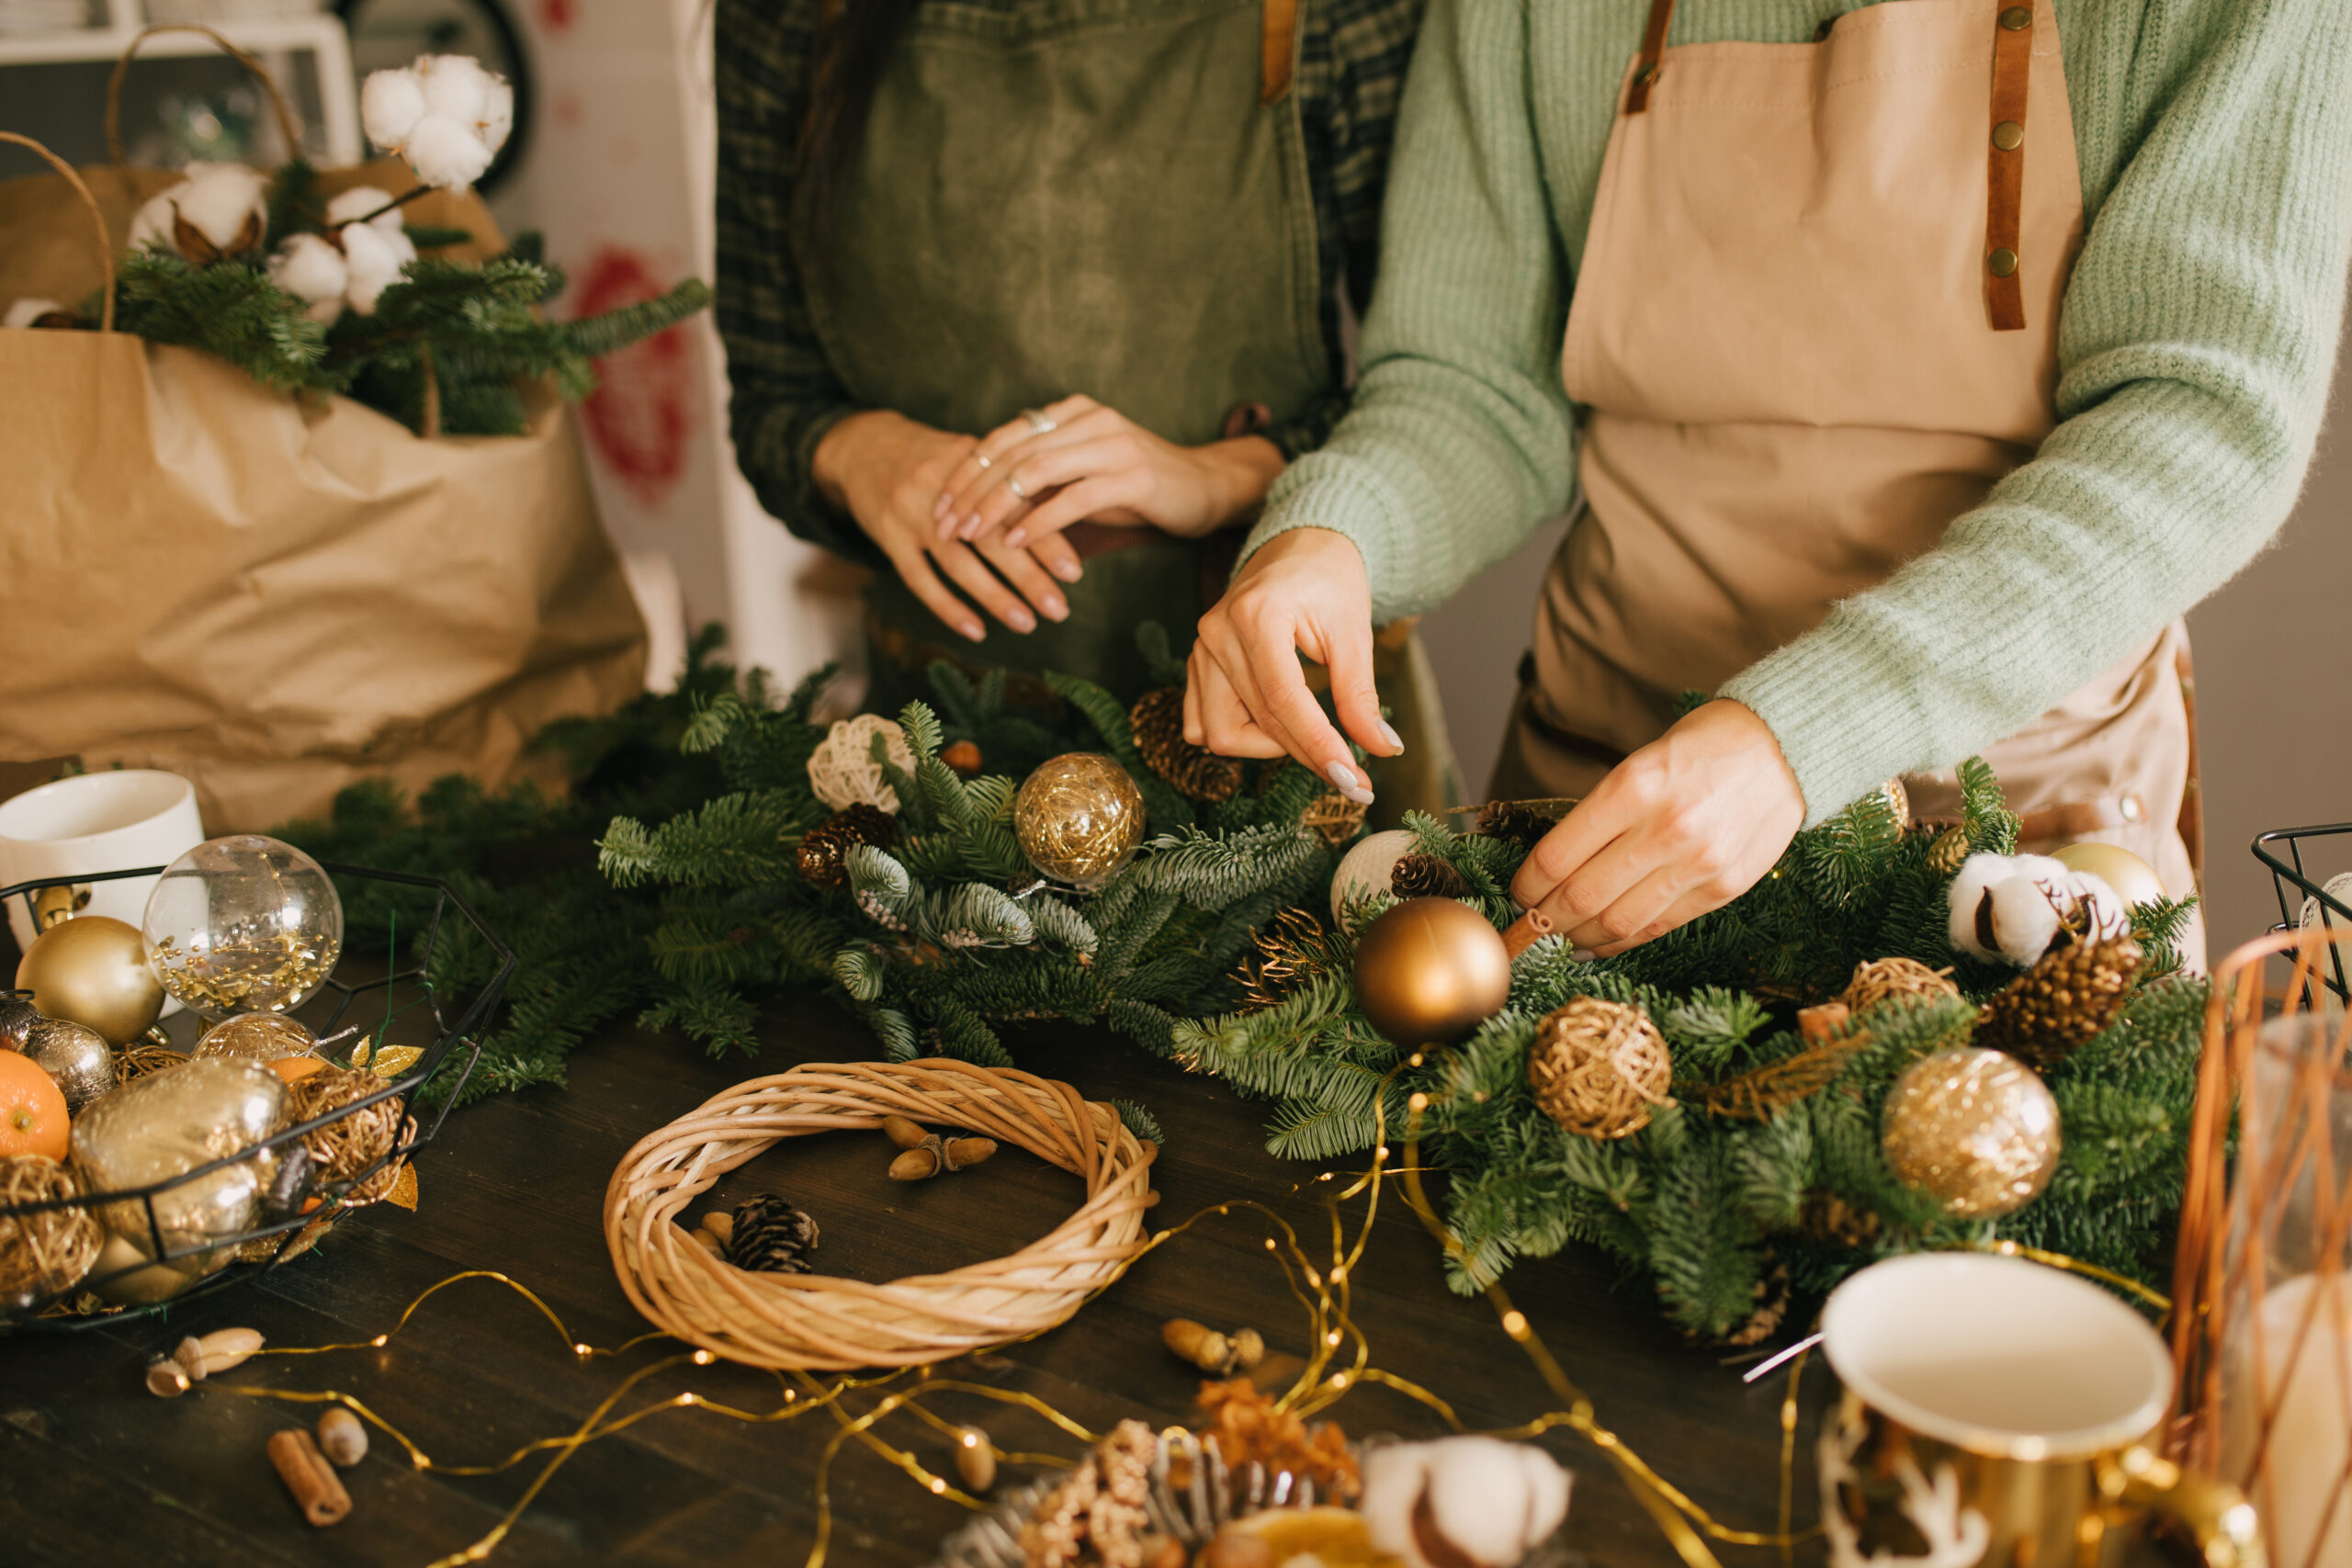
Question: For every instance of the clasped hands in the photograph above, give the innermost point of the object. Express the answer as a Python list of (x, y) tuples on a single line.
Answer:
[(1680, 827), (986, 513)]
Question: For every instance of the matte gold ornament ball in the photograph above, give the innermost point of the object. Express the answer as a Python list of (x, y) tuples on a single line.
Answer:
[(2134, 879), (1429, 971), (1079, 817), (93, 970), (1975, 1130)]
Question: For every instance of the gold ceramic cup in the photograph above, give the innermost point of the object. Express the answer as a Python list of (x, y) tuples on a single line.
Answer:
[(1997, 1412)]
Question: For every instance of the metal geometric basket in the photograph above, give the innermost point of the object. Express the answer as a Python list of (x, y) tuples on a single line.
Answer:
[(454, 1022), (2303, 896)]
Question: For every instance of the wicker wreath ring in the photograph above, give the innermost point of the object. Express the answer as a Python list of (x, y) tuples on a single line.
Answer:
[(814, 1322)]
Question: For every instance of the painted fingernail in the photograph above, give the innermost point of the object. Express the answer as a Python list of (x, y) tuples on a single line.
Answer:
[(1018, 537), (1023, 621), (1057, 607), (1583, 954), (1344, 778), (1068, 570), (972, 629), (1388, 733), (939, 504)]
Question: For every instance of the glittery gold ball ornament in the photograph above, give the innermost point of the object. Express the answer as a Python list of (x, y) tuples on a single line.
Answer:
[(1976, 1131), (1597, 1067), (257, 1037), (243, 924), (2134, 879), (1079, 819), (76, 1057), (1429, 971), (93, 970)]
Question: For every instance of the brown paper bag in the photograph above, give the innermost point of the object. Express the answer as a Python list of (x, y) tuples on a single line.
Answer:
[(277, 597)]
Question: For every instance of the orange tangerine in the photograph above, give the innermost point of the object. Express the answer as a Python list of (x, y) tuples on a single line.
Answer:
[(32, 1111)]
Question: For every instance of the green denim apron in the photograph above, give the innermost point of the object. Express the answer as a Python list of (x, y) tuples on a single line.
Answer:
[(1075, 196)]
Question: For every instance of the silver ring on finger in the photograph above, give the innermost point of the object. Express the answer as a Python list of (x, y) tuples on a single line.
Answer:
[(984, 460), (1012, 483), (1039, 421)]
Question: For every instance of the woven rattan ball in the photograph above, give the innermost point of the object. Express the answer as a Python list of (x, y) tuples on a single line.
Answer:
[(842, 770), (340, 1150), (1877, 979), (1599, 1067), (818, 1322), (48, 1252)]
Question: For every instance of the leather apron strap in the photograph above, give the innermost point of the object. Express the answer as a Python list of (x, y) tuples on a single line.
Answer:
[(1277, 49), (1638, 96), (2005, 184)]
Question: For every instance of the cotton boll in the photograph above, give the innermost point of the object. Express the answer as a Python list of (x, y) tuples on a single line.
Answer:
[(455, 88), (498, 114), (445, 152), (226, 203), (1977, 876), (312, 271), (151, 226), (2091, 905), (28, 311), (2024, 918), (1486, 1502), (375, 263), (390, 103), (360, 201)]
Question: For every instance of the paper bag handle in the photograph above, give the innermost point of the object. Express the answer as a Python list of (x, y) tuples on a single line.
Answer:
[(289, 126), (97, 219)]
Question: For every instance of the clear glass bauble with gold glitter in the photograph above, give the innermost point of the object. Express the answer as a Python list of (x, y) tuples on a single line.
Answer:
[(1975, 1130), (243, 924), (1080, 818)]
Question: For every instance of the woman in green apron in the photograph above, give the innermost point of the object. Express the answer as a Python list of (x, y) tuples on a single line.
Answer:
[(1915, 366), (945, 229)]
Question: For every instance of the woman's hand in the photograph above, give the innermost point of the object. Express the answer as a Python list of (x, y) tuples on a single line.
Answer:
[(1303, 590), (1078, 461), (1683, 826), (885, 470)]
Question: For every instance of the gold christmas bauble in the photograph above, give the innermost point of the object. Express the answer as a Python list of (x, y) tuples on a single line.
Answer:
[(1975, 1130), (92, 969), (2134, 879), (1429, 971), (1079, 819)]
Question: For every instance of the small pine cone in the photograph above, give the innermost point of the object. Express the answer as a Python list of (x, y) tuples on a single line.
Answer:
[(770, 1236), (1826, 1218), (1421, 875), (1157, 721), (1054, 1536), (1118, 1512), (823, 847), (1771, 1296), (1948, 852), (1521, 821), (2064, 1002)]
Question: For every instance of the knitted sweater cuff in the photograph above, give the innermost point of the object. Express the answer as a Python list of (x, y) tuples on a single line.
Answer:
[(1839, 711), (1323, 490)]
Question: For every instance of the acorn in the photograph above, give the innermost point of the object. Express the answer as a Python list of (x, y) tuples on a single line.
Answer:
[(720, 1224), (1219, 1355), (167, 1378), (927, 1153), (340, 1437), (226, 1347)]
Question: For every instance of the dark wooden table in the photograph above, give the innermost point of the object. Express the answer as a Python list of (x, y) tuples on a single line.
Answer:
[(96, 1470)]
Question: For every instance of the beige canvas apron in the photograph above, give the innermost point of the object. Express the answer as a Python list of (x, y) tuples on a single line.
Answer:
[(1816, 320)]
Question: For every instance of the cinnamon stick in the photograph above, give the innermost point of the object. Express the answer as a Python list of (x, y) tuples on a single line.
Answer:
[(318, 1491)]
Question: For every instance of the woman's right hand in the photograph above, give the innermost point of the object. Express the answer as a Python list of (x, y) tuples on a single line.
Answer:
[(885, 470), (1303, 592)]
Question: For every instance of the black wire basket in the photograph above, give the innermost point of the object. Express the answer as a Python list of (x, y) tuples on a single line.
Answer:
[(2301, 859), (404, 991)]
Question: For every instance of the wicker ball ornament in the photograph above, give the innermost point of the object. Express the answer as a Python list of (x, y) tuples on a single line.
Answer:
[(1600, 1068), (343, 1148), (1429, 971), (1975, 1130), (92, 969), (1878, 979), (1079, 819), (43, 1253), (842, 770)]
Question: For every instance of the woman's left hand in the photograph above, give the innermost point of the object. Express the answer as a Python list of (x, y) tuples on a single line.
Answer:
[(1091, 463), (1683, 826)]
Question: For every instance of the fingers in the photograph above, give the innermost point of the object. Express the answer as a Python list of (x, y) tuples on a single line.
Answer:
[(945, 508), (1087, 498), (1285, 709), (1057, 555), (972, 575), (1589, 827), (914, 570), (1008, 446), (1070, 452), (1226, 726), (1348, 659), (1020, 569), (1681, 912)]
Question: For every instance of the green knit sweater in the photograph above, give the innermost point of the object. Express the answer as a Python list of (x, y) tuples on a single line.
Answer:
[(2195, 349)]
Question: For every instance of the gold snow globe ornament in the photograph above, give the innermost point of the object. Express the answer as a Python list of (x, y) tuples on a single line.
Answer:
[(1079, 819), (243, 924)]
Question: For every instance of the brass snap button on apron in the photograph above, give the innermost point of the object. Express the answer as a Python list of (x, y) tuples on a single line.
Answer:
[(2017, 19), (2130, 808), (2009, 136), (2002, 263)]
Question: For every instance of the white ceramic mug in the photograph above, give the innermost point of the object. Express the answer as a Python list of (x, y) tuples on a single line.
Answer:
[(1997, 1411), (92, 822)]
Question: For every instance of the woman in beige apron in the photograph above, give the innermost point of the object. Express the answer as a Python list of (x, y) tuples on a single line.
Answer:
[(1083, 225), (1815, 320)]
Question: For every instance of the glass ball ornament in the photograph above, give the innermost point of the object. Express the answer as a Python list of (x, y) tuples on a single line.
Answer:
[(1429, 971), (1975, 1130), (257, 1037), (243, 924), (1079, 819)]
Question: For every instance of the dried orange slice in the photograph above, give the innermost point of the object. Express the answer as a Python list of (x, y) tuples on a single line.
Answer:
[(32, 1111)]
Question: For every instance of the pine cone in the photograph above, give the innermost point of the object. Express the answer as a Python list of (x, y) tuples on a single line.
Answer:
[(824, 847), (1157, 721), (1949, 850), (1421, 876), (2064, 1002), (1521, 821), (1826, 1218), (770, 1236), (1771, 1297)]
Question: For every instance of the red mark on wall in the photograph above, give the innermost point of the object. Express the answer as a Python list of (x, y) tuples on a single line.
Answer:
[(556, 16), (638, 416)]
